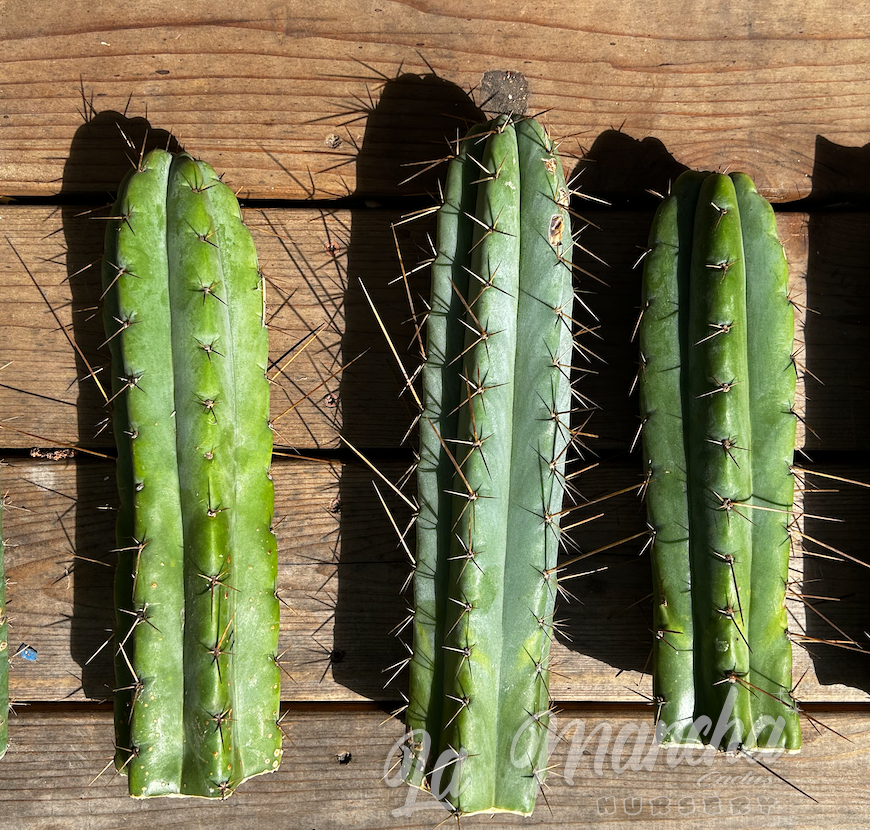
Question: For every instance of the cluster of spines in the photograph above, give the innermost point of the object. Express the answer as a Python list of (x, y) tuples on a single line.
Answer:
[(717, 387), (495, 429), (197, 614)]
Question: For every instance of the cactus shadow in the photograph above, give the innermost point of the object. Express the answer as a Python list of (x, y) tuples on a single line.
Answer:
[(607, 622), (428, 112), (98, 144), (611, 619), (838, 339), (625, 172), (621, 169)]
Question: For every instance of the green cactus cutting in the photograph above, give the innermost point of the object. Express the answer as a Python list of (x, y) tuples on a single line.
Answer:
[(717, 386), (4, 647), (494, 432), (197, 615)]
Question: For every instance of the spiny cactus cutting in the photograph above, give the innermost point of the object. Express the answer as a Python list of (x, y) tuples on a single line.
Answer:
[(4, 647), (197, 615), (494, 433), (717, 385)]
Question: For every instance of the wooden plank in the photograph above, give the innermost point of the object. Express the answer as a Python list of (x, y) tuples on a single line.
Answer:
[(290, 100), (306, 256), (341, 572), (315, 260), (47, 778)]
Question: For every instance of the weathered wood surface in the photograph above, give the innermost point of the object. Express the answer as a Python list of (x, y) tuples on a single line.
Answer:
[(46, 779), (338, 102), (315, 260), (276, 93), (341, 572)]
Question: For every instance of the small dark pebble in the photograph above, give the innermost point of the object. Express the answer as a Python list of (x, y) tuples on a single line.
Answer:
[(504, 91)]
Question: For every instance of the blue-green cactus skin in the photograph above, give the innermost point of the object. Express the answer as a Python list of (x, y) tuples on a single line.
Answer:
[(494, 435)]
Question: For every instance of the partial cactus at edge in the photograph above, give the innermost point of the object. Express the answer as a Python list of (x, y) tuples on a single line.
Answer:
[(717, 386), (494, 433), (4, 647), (197, 615)]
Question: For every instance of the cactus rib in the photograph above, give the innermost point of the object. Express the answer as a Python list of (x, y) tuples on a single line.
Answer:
[(717, 390), (494, 434), (197, 615)]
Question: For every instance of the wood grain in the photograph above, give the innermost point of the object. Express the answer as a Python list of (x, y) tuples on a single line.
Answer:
[(316, 261), (292, 100), (341, 572), (316, 114), (47, 778), (53, 333)]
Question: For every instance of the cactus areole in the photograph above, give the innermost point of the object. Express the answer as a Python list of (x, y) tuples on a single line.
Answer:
[(717, 385), (197, 615), (494, 433)]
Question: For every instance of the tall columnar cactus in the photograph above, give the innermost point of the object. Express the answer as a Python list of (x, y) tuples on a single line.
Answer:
[(717, 384), (197, 614), (493, 439), (4, 647)]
